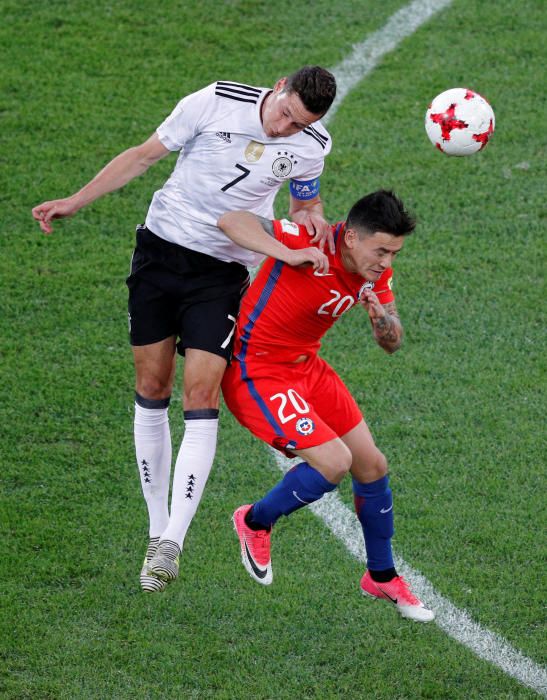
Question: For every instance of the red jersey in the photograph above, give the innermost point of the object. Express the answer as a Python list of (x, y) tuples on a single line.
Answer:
[(287, 310)]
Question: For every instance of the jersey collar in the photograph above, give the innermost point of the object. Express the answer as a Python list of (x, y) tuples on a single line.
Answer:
[(339, 229), (338, 232), (260, 105)]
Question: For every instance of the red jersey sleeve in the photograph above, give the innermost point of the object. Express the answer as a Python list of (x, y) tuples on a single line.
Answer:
[(384, 287), (292, 235)]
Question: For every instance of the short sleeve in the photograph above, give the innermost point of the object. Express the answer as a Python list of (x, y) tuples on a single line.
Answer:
[(292, 235), (384, 287), (307, 184), (186, 120)]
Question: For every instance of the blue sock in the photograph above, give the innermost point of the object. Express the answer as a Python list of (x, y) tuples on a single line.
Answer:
[(374, 508), (300, 486)]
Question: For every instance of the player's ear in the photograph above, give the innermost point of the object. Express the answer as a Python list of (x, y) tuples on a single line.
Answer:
[(280, 85), (350, 236)]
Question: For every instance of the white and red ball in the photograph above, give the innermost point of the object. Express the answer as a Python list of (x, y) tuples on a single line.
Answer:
[(459, 122)]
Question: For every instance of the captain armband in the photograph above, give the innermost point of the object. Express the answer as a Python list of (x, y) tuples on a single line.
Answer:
[(304, 189)]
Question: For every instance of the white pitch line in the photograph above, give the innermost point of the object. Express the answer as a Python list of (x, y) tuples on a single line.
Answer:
[(330, 509), (344, 525), (366, 55)]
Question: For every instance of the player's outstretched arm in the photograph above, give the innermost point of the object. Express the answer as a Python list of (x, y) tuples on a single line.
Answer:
[(310, 214), (255, 233), (123, 168), (386, 324)]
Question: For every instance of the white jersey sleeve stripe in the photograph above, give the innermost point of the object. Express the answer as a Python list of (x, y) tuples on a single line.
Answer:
[(226, 84), (231, 93), (310, 131), (318, 134)]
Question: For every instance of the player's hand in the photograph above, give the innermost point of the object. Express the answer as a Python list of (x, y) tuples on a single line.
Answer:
[(313, 256), (372, 305), (317, 227), (56, 209)]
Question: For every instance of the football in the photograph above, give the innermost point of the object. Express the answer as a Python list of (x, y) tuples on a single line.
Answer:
[(459, 122)]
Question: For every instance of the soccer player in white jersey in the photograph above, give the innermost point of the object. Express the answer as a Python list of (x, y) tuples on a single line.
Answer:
[(237, 145)]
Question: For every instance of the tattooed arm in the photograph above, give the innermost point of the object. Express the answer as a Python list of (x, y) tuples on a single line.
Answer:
[(386, 324), (256, 233)]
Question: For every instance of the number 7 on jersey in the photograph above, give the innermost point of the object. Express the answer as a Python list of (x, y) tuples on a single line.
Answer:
[(246, 172)]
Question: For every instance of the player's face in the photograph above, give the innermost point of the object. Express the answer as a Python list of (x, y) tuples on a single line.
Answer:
[(372, 255), (283, 113)]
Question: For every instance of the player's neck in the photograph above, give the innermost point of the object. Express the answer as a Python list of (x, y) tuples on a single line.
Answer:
[(263, 103), (347, 262)]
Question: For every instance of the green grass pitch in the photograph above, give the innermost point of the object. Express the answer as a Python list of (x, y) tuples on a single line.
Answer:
[(459, 411)]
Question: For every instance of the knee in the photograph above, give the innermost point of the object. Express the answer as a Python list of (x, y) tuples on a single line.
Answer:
[(370, 468), (201, 395), (380, 465), (341, 464), (152, 387)]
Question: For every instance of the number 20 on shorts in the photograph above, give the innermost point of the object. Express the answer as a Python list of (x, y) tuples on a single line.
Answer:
[(287, 402)]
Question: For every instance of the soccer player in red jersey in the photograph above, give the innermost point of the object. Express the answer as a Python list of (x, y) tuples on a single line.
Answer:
[(284, 393)]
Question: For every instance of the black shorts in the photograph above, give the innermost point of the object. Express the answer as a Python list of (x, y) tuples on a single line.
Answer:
[(175, 291)]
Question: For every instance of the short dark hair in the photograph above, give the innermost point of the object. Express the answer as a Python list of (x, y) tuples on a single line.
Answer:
[(315, 86), (380, 211)]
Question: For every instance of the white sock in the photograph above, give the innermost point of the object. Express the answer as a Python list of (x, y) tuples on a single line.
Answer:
[(153, 450), (192, 468)]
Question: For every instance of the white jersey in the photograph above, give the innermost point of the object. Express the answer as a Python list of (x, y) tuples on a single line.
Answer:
[(228, 163)]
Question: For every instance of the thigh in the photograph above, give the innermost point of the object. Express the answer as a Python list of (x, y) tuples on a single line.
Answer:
[(202, 376), (270, 401), (209, 324), (152, 309), (331, 398), (155, 368)]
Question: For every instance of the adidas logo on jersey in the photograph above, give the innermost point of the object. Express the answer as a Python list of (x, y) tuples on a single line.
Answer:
[(224, 135)]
